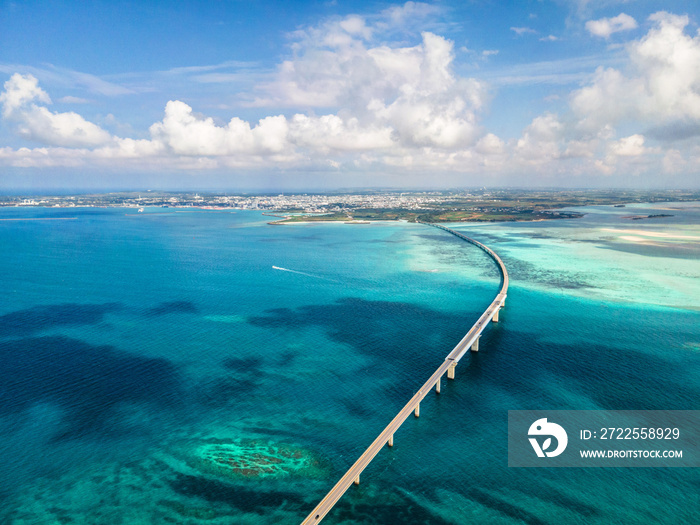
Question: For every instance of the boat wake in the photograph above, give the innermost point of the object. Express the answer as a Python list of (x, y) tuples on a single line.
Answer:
[(303, 273)]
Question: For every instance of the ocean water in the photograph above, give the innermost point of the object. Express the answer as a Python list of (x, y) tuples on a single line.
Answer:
[(204, 367)]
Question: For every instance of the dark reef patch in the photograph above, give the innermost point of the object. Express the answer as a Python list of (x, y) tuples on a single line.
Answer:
[(31, 320), (174, 307), (87, 381), (497, 504), (357, 408), (225, 391), (612, 376), (219, 492), (674, 251), (531, 235), (520, 270), (391, 506), (559, 498), (384, 241), (450, 239), (287, 358), (243, 364), (382, 329), (268, 431)]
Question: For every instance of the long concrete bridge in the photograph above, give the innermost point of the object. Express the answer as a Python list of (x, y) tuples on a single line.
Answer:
[(469, 341)]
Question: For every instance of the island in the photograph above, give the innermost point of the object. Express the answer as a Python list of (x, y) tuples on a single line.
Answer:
[(362, 206)]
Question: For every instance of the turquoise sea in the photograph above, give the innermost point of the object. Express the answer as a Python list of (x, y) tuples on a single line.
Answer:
[(203, 367)]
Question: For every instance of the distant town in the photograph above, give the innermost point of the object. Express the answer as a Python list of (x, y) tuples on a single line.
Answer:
[(429, 206)]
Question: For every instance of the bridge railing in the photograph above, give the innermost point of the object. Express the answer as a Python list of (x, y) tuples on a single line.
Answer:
[(386, 437)]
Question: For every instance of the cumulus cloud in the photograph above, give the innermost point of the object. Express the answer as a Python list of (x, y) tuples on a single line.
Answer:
[(540, 141), (21, 90), (411, 91), (60, 129), (669, 62), (657, 90), (408, 100), (383, 103), (609, 98), (186, 134), (674, 161), (353, 98), (631, 146), (330, 133), (662, 83), (431, 107), (490, 144), (607, 26), (37, 123)]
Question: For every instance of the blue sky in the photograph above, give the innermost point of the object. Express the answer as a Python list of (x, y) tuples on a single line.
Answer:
[(321, 95)]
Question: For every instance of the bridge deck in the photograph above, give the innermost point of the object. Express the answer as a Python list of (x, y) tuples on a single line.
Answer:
[(452, 359)]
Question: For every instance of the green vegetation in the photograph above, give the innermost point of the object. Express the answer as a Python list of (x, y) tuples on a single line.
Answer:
[(496, 205), (478, 205)]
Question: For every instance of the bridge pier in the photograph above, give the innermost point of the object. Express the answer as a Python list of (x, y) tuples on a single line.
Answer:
[(475, 346), (451, 371), (353, 475)]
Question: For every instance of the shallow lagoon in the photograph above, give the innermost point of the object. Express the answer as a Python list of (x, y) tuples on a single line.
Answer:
[(132, 340)]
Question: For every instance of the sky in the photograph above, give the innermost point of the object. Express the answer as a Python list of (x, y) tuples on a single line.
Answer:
[(282, 95)]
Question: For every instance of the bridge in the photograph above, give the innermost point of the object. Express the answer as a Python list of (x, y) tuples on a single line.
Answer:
[(469, 341)]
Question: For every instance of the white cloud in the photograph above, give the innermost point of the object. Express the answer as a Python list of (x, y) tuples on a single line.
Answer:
[(93, 83), (674, 162), (656, 91), (520, 31), (37, 123), (662, 83), (361, 101), (69, 78), (400, 16), (609, 98), (69, 99), (580, 149), (657, 88), (632, 146), (411, 91), (236, 64), (549, 38), (186, 134), (389, 103), (60, 129), (20, 90), (540, 141), (332, 70), (429, 106), (669, 61), (607, 26), (490, 144), (355, 26), (331, 133)]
